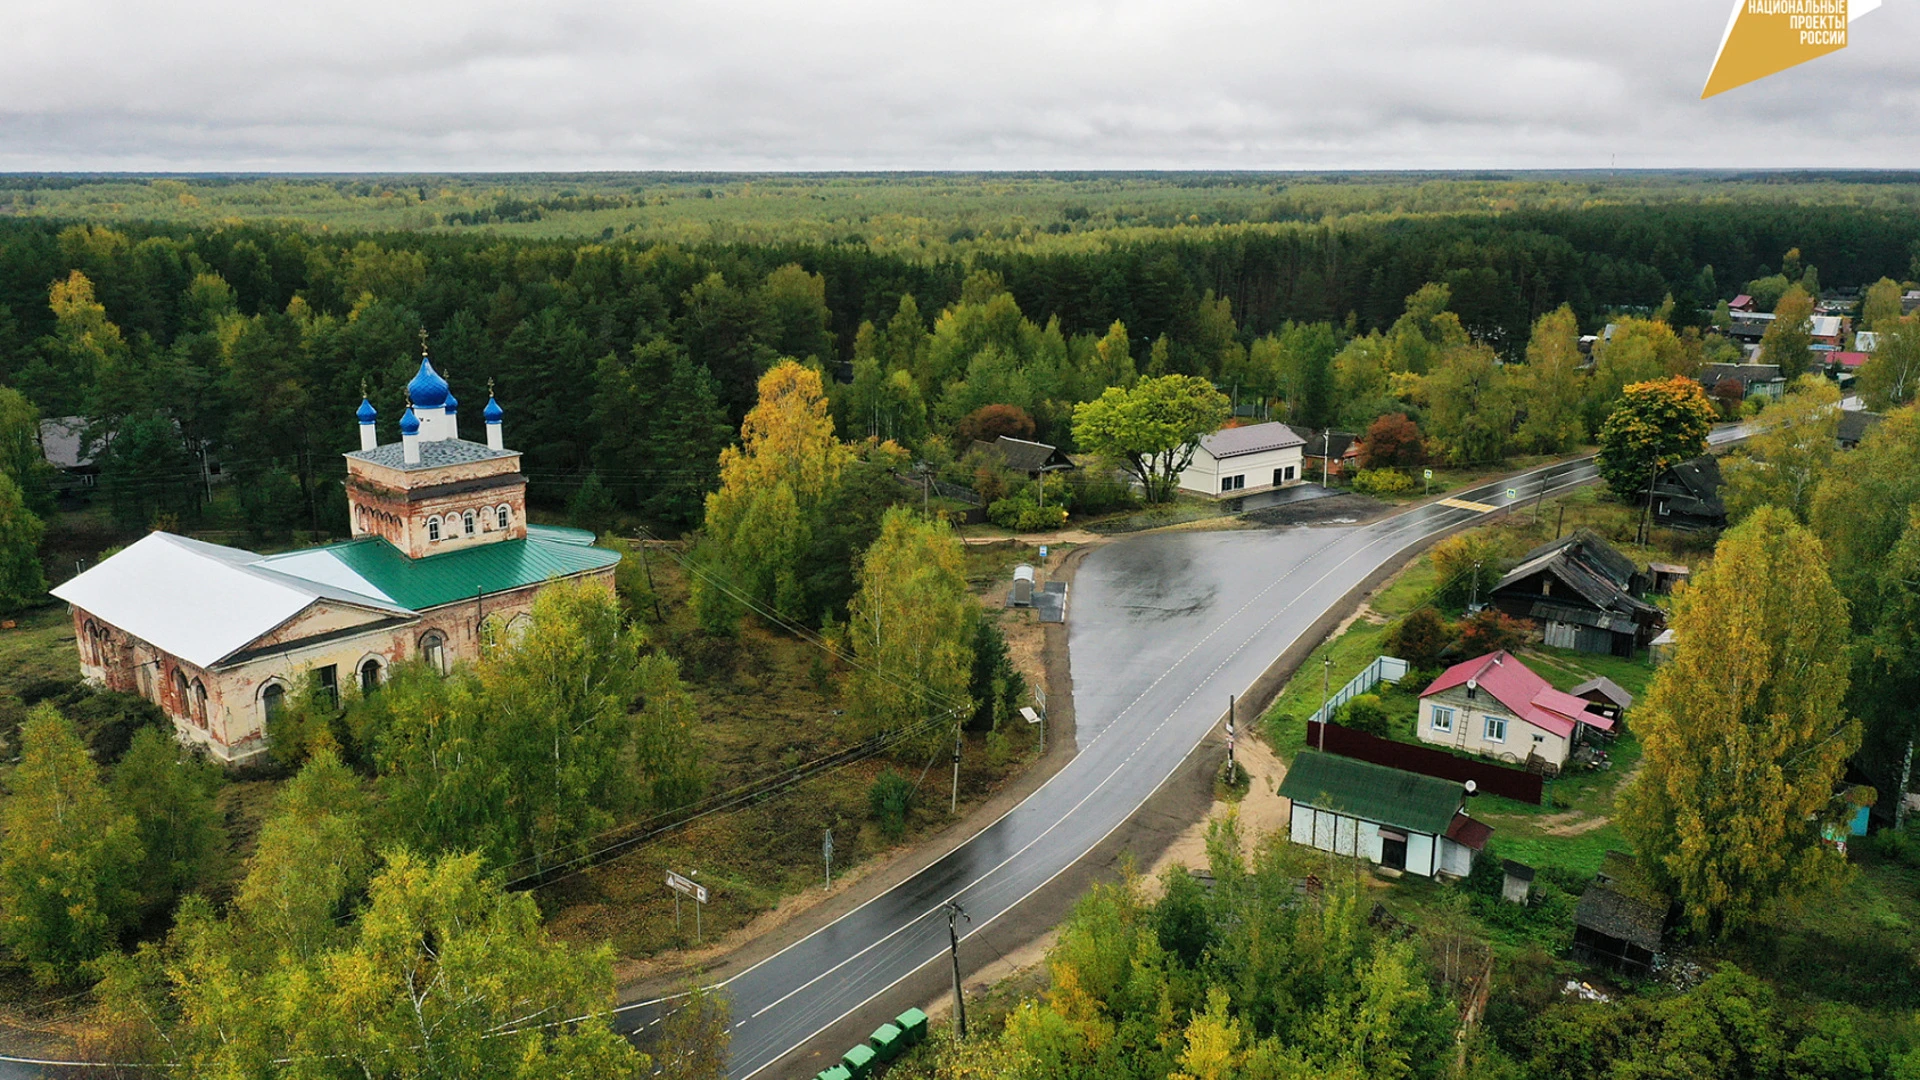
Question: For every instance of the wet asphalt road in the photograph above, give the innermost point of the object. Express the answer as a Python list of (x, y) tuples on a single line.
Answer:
[(1162, 628)]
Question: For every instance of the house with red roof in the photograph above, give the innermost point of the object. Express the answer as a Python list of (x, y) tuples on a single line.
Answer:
[(1496, 706)]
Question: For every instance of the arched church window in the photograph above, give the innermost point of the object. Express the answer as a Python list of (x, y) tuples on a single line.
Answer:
[(181, 693), (518, 627), (273, 700), (469, 520), (433, 650), (200, 703), (369, 675), (503, 516), (433, 530)]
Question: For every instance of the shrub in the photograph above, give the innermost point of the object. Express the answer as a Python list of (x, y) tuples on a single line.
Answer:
[(1381, 482), (1392, 440), (1100, 491), (989, 422), (1491, 631), (1365, 713), (890, 800), (1023, 513), (1420, 637)]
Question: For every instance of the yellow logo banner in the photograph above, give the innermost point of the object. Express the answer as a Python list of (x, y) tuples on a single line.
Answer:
[(1764, 37)]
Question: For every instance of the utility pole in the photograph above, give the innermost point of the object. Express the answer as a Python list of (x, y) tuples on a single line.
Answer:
[(955, 912), (1326, 444), (1326, 695), (1646, 518), (954, 808), (826, 852), (646, 564), (1473, 599), (1231, 774)]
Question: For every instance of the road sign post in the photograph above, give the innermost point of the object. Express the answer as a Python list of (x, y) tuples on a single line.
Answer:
[(826, 852), (1427, 475), (686, 886)]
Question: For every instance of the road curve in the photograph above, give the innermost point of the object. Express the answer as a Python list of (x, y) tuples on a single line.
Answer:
[(1163, 627)]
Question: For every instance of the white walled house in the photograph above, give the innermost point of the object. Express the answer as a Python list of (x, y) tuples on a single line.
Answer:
[(1235, 461), (1400, 820), (1496, 706)]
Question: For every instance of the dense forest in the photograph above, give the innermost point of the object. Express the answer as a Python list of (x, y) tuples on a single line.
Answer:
[(255, 341)]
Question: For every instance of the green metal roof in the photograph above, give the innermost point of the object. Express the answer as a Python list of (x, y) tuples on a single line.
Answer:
[(1376, 793), (419, 584), (563, 534)]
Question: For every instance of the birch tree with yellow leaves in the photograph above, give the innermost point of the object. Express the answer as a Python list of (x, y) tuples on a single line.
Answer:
[(771, 488), (1744, 730)]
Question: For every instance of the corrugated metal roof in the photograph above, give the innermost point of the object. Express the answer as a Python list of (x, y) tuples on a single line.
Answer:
[(199, 601), (1373, 792), (419, 584), (1233, 442), (433, 454)]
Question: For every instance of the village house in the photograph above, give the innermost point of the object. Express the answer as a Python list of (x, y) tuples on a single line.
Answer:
[(1496, 706), (1755, 380), (1827, 330), (1023, 456), (1866, 341), (1686, 495), (1332, 453), (1234, 461), (1582, 594), (1854, 426), (442, 564), (1621, 918), (1401, 820)]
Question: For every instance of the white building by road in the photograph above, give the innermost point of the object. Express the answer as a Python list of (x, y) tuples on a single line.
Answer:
[(1235, 461)]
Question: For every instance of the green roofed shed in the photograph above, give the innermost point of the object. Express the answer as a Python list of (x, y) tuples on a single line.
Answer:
[(1376, 793)]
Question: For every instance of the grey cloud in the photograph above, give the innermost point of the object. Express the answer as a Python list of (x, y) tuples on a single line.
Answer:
[(366, 85)]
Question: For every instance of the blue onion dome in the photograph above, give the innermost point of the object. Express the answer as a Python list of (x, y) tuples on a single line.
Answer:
[(493, 411), (409, 423), (367, 412), (453, 405), (427, 390)]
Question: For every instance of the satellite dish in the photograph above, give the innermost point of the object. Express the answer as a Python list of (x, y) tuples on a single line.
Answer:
[(1473, 788)]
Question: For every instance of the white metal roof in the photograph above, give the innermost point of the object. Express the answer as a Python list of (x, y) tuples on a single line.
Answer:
[(202, 602), (1826, 325)]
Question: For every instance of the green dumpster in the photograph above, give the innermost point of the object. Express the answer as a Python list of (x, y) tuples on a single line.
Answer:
[(837, 1072), (858, 1061), (913, 1027), (887, 1041)]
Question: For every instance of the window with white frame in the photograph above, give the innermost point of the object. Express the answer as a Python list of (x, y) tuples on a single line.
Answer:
[(468, 520), (1496, 730), (1442, 718), (502, 516), (433, 530), (1233, 483)]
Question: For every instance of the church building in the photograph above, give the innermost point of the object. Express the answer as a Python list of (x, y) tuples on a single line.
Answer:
[(442, 563)]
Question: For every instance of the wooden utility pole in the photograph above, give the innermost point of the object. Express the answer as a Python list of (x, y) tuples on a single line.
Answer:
[(956, 912)]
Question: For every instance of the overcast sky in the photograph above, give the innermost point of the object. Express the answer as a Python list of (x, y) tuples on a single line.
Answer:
[(435, 85)]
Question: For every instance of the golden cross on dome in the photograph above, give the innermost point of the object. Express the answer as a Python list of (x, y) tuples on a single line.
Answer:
[(423, 341)]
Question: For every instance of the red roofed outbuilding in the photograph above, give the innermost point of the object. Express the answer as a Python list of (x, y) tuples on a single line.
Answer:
[(1497, 706)]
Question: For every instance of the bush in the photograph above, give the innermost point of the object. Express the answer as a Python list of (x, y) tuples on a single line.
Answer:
[(1420, 637), (1492, 631), (1100, 491), (890, 800), (1381, 482), (1365, 713), (1024, 514), (1392, 440)]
